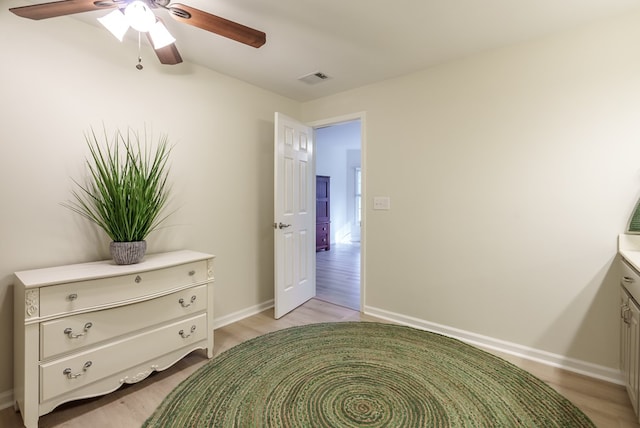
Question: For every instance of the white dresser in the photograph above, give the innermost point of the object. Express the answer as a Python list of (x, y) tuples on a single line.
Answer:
[(84, 330)]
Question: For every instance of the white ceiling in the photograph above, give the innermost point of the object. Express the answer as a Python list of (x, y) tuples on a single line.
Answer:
[(358, 42)]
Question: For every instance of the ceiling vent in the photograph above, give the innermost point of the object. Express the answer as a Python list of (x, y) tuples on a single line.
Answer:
[(313, 78)]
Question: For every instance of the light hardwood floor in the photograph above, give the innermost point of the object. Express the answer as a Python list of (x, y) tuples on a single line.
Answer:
[(606, 404), (338, 275)]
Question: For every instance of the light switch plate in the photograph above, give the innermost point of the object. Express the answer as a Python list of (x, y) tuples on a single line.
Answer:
[(381, 203)]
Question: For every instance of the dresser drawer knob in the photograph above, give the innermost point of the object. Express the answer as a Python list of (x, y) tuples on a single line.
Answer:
[(70, 375), (72, 297), (181, 301), (183, 335), (192, 272), (627, 279), (138, 279), (69, 331)]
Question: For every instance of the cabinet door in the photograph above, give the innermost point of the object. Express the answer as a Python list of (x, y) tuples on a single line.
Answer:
[(629, 346), (624, 333)]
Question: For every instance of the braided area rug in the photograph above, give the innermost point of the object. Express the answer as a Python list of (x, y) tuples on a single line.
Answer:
[(362, 374)]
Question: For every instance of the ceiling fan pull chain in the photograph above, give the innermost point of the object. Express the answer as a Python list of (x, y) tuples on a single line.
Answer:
[(139, 65)]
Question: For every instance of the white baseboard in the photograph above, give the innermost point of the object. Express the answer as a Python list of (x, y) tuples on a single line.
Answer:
[(6, 399), (571, 364), (242, 314)]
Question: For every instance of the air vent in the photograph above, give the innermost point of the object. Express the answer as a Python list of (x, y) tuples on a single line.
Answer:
[(313, 78)]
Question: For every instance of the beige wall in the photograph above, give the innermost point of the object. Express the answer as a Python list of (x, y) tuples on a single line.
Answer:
[(58, 78), (510, 175)]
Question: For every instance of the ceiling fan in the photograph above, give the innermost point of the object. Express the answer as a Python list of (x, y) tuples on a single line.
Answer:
[(139, 15)]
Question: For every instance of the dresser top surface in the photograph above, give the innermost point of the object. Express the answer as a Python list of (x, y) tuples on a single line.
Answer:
[(106, 268)]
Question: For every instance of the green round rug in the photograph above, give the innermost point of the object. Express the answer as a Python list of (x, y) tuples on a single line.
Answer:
[(362, 374)]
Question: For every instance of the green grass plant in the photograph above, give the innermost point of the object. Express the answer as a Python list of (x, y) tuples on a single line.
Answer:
[(127, 188)]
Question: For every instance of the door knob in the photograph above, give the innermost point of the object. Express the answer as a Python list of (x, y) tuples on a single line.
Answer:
[(282, 225)]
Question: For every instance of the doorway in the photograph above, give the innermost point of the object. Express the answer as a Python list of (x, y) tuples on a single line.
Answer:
[(338, 267)]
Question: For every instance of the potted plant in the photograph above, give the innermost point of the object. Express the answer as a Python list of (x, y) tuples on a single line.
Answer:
[(126, 191)]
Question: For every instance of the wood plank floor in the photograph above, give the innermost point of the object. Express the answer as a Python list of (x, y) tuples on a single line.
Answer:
[(606, 404), (338, 275)]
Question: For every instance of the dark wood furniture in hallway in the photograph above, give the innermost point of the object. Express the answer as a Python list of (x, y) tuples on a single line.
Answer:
[(323, 213)]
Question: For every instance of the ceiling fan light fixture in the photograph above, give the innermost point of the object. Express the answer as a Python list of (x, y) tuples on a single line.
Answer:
[(160, 36), (139, 16), (116, 23)]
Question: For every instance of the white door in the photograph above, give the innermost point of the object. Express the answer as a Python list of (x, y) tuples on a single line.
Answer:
[(294, 222)]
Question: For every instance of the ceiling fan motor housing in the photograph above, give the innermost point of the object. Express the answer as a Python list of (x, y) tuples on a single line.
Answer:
[(180, 13)]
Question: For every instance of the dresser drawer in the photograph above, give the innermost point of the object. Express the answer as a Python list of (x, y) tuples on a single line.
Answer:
[(104, 292), (322, 236), (630, 280), (322, 228), (83, 368), (74, 332)]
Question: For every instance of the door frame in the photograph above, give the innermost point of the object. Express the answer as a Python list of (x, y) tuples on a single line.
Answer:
[(361, 116)]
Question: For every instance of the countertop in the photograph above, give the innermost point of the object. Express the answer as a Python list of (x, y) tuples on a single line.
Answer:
[(629, 249)]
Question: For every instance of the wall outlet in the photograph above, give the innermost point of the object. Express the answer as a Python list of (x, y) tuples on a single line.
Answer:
[(381, 203)]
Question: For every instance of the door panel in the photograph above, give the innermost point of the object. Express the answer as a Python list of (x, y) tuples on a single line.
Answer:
[(294, 220)]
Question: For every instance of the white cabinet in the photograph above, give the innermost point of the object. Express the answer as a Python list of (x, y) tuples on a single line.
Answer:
[(85, 330), (630, 332), (629, 341)]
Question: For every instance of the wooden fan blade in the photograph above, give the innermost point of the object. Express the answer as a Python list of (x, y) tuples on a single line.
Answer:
[(60, 8), (217, 25), (169, 54)]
